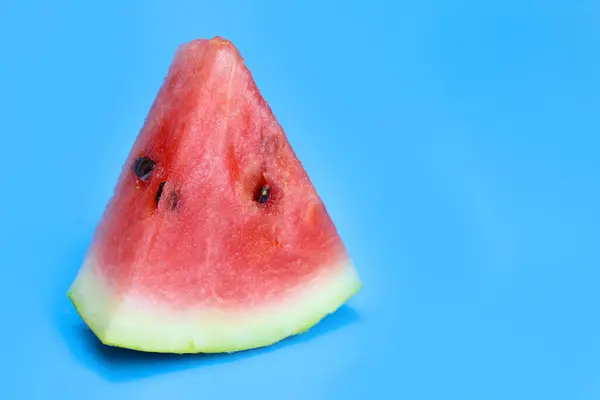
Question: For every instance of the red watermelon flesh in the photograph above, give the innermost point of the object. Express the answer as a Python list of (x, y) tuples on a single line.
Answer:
[(215, 238)]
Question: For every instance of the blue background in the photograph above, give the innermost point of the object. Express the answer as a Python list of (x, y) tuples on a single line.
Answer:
[(455, 143)]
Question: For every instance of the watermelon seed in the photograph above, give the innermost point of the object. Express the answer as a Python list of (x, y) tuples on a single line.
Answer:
[(143, 167), (263, 194), (159, 192), (173, 200)]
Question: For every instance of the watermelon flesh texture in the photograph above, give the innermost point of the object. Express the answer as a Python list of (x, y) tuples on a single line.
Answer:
[(222, 243)]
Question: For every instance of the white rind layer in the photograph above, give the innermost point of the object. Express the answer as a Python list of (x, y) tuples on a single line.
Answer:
[(139, 324)]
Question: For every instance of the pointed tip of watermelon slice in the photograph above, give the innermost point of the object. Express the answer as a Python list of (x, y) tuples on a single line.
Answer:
[(217, 43), (221, 41)]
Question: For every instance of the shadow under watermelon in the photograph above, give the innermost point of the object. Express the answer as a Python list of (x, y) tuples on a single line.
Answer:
[(117, 364)]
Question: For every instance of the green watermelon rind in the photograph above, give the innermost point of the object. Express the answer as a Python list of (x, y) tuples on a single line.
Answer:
[(121, 325)]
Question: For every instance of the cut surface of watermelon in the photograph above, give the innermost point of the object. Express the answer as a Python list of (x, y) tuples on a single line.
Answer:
[(215, 239)]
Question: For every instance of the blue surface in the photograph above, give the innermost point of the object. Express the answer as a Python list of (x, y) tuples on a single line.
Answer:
[(455, 143)]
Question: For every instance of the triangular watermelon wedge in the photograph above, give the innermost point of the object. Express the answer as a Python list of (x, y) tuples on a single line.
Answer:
[(215, 239)]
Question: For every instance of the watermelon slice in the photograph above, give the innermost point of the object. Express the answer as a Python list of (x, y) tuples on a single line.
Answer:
[(215, 239)]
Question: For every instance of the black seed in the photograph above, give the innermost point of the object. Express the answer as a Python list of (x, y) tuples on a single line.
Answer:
[(143, 167), (263, 194), (159, 192)]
